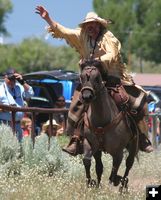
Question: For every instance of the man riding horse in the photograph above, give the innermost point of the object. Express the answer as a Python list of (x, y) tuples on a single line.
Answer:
[(94, 42)]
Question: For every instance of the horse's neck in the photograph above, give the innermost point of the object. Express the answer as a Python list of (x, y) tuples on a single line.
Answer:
[(102, 109)]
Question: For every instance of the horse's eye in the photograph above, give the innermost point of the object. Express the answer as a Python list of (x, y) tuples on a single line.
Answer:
[(81, 78), (97, 79)]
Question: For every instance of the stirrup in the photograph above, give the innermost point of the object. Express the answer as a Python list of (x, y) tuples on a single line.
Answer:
[(145, 144), (149, 149), (74, 147)]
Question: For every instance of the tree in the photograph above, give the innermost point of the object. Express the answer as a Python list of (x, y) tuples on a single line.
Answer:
[(149, 37), (33, 54), (5, 9)]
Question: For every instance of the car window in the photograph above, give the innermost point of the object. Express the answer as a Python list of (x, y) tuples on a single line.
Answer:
[(42, 92), (39, 102)]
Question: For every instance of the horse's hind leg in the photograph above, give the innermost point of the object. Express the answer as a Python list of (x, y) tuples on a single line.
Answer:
[(114, 178), (98, 166), (125, 180), (129, 163)]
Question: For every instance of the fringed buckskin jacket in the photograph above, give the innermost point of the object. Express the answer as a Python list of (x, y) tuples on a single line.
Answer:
[(107, 49)]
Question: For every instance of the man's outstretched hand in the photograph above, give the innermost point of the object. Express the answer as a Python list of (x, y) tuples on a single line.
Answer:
[(42, 12)]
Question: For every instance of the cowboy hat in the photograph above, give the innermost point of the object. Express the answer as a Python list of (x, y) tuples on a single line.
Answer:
[(46, 124), (10, 73), (93, 17)]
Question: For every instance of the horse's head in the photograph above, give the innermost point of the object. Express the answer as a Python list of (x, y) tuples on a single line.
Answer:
[(92, 82)]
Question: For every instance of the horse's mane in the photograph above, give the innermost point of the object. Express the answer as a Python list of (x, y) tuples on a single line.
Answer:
[(91, 63), (98, 64)]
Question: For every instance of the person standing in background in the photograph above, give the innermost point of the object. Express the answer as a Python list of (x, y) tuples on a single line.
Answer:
[(13, 91)]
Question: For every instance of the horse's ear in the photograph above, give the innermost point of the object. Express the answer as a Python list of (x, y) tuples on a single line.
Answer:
[(82, 65), (86, 63), (97, 63)]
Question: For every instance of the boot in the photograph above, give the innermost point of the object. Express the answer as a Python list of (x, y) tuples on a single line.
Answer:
[(144, 143), (74, 147), (76, 110)]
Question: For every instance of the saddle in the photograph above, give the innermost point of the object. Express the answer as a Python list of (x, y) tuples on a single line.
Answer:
[(127, 97)]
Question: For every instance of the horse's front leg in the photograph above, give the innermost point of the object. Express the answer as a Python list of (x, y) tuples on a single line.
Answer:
[(99, 166), (87, 163), (114, 177)]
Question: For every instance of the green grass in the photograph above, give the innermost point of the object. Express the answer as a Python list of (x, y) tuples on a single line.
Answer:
[(50, 174)]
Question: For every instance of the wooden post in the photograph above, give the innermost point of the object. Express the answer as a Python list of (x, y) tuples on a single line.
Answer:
[(13, 122), (33, 127)]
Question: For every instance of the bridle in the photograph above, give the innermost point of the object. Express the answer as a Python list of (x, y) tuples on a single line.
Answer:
[(88, 74)]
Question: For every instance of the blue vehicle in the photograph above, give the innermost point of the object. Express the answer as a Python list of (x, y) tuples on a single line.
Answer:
[(48, 85)]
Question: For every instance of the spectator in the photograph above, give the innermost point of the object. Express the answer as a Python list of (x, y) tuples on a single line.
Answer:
[(26, 125), (46, 128), (59, 117), (152, 109), (13, 91), (60, 102)]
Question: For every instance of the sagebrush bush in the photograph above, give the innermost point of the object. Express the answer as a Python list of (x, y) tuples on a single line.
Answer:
[(43, 156), (45, 172)]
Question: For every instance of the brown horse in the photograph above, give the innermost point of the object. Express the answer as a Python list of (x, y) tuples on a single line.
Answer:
[(105, 129)]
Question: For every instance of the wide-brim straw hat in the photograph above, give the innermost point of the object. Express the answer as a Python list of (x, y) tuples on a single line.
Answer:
[(54, 123), (93, 17)]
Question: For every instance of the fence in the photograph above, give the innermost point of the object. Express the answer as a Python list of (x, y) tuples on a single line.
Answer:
[(33, 111), (51, 111)]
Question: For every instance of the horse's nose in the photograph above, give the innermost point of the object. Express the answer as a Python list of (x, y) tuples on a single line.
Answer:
[(87, 95)]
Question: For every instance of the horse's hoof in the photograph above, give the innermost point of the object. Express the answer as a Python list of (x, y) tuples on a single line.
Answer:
[(99, 185), (124, 185), (117, 180), (91, 183), (124, 182)]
